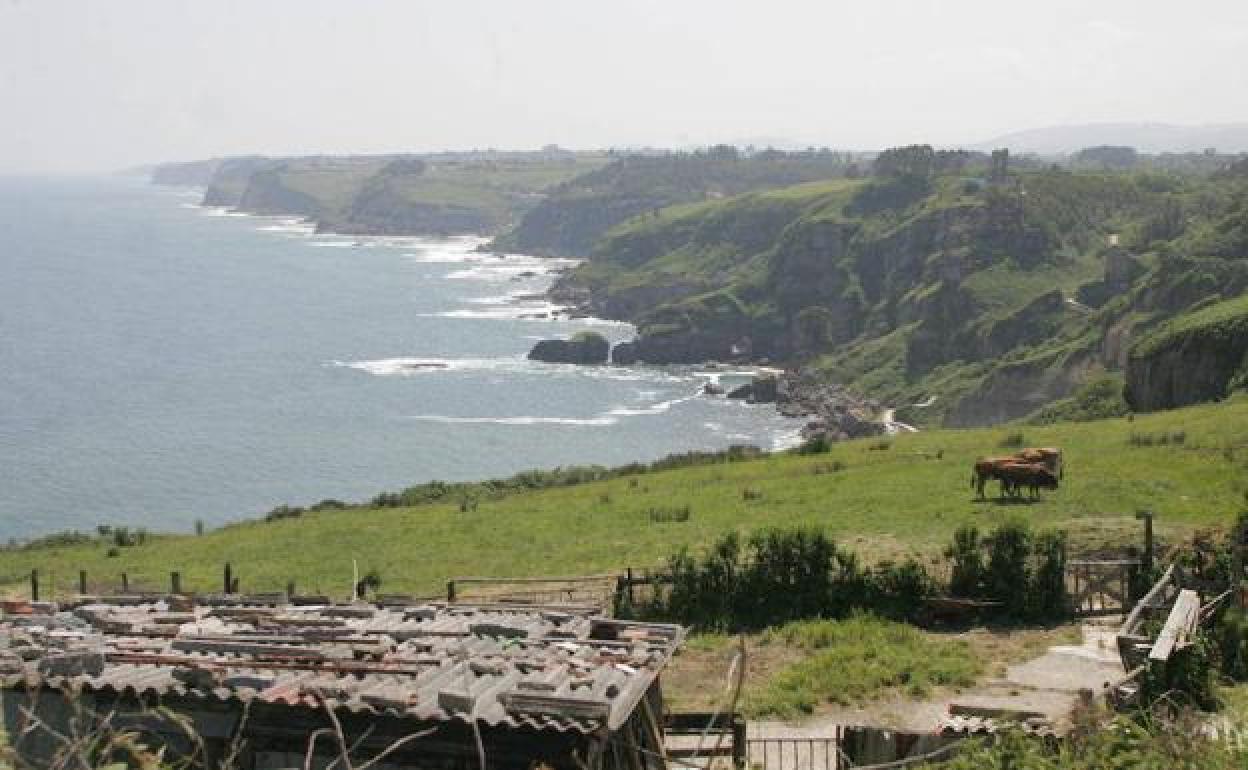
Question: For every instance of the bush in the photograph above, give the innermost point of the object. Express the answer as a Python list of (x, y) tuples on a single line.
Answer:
[(1012, 441), (661, 515), (815, 445), (967, 574), (781, 575), (284, 512), (1009, 574), (1231, 640), (833, 467), (1024, 571)]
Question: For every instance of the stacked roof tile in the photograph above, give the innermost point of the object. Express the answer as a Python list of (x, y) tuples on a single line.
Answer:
[(546, 668)]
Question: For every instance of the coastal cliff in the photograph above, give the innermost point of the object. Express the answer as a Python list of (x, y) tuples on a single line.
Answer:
[(1200, 356), (929, 284), (483, 193)]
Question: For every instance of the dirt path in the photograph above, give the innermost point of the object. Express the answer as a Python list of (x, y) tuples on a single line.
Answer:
[(1048, 684)]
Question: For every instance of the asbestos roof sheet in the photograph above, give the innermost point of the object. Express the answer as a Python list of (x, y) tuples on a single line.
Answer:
[(519, 666)]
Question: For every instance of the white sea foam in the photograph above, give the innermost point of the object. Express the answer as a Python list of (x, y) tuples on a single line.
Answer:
[(221, 211), (407, 365), (786, 439), (295, 225), (524, 420), (659, 408)]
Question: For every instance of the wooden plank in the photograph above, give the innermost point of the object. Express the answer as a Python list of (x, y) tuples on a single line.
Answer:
[(1129, 625), (1184, 616)]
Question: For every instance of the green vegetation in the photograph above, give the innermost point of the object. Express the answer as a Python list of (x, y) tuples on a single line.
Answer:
[(857, 659), (1227, 320), (577, 213), (1096, 400), (448, 193), (1123, 743), (983, 291), (903, 502)]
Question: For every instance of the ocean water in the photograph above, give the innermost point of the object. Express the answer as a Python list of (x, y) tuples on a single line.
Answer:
[(162, 363)]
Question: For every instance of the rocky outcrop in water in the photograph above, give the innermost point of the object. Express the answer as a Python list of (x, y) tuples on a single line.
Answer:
[(581, 348)]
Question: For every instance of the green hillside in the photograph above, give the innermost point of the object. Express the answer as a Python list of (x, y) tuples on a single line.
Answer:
[(982, 293), (575, 215), (881, 498), (445, 193)]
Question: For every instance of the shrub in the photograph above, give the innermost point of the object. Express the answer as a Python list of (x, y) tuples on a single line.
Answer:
[(1012, 441), (883, 445), (814, 445), (1009, 573), (967, 574), (1047, 597), (749, 493), (832, 467), (780, 575), (1231, 639), (328, 504), (284, 512), (660, 515), (1024, 571)]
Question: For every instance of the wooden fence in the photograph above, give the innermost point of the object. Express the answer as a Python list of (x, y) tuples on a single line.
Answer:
[(1101, 587)]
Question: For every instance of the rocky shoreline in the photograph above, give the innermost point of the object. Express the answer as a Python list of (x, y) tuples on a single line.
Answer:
[(833, 413)]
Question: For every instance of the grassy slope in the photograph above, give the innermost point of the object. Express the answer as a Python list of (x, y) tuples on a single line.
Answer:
[(899, 500)]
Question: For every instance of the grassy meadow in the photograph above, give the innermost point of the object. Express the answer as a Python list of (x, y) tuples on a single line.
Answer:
[(882, 498)]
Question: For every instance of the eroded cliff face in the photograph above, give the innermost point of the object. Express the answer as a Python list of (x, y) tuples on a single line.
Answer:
[(230, 180), (268, 194), (1201, 358)]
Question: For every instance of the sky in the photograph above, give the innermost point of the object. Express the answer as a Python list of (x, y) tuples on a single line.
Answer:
[(98, 85)]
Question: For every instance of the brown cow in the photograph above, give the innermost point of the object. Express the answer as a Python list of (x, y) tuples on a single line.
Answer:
[(1034, 476), (985, 470), (1049, 457)]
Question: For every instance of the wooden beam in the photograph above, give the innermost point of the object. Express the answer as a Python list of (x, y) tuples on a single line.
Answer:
[(1184, 616)]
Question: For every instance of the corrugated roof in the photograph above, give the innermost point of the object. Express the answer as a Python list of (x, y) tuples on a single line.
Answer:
[(544, 668)]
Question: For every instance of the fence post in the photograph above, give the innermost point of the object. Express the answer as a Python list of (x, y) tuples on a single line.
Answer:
[(632, 599), (1147, 516), (125, 583), (34, 585), (175, 582), (228, 579), (450, 590), (82, 581), (739, 747), (290, 589)]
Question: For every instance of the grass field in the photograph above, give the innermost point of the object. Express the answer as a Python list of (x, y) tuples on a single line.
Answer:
[(881, 498)]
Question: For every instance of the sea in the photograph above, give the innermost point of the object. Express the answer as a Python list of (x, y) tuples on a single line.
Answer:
[(163, 363)]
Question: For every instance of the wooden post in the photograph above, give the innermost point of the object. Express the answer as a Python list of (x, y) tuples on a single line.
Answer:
[(125, 583), (175, 582), (739, 747), (290, 589), (632, 599), (228, 579), (1147, 517), (82, 581), (34, 585), (450, 590)]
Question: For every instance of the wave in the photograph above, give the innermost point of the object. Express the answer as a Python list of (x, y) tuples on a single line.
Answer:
[(659, 408), (294, 225), (408, 365), (525, 420)]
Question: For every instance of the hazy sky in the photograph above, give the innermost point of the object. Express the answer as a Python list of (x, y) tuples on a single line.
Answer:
[(97, 85)]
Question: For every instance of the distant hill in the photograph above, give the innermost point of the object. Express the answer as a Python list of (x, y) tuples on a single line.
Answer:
[(1145, 137), (439, 193)]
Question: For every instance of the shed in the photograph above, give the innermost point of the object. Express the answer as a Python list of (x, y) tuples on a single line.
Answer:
[(435, 685)]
